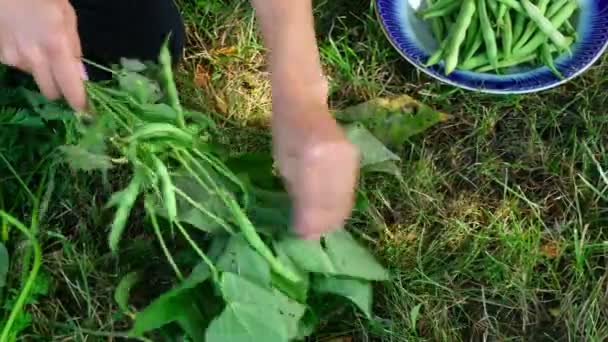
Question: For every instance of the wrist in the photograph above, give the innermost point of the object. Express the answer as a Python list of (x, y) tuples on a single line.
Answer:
[(291, 95)]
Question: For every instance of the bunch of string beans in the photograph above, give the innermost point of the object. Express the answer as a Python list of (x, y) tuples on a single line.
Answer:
[(494, 35), (153, 139)]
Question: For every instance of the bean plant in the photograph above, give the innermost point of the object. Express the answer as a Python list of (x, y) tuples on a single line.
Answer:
[(249, 261), (248, 276)]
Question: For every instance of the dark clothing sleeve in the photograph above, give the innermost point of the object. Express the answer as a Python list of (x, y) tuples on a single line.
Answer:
[(111, 29)]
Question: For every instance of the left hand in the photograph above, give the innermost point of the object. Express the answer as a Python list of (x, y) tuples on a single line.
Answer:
[(319, 164)]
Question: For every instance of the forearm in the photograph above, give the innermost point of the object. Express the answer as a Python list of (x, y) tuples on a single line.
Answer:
[(288, 33)]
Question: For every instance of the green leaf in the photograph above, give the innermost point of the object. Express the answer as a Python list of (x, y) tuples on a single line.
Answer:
[(171, 305), (93, 135), (292, 313), (246, 323), (270, 211), (217, 246), (123, 290), (182, 308), (24, 320), (357, 291), (362, 202), (241, 319), (138, 86), (257, 167), (80, 159), (393, 120), (241, 259), (307, 325), (336, 253), (132, 65), (50, 111), (192, 320), (22, 117), (387, 167), (374, 155), (40, 287), (208, 200), (298, 291), (414, 315), (269, 221), (4, 264)]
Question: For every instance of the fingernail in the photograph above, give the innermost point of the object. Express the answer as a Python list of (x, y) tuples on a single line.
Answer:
[(85, 76)]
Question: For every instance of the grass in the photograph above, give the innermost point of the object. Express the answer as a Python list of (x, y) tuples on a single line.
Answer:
[(497, 231)]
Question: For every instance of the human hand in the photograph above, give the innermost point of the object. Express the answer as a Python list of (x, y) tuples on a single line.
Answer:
[(319, 165), (41, 37)]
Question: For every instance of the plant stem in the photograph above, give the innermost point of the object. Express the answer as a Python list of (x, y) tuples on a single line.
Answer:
[(4, 222), (222, 169), (99, 333), (199, 251), (196, 205), (251, 235), (96, 93), (16, 174), (25, 290), (161, 240), (99, 66)]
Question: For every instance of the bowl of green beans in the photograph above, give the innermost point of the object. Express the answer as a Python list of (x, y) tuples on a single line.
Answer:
[(498, 46)]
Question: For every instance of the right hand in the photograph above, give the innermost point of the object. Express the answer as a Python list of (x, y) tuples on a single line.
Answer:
[(41, 37)]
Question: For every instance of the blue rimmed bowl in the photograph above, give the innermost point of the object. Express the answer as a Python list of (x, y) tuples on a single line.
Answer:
[(412, 37)]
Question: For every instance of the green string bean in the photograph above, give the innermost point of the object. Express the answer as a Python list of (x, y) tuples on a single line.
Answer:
[(467, 12), (496, 35), (489, 36)]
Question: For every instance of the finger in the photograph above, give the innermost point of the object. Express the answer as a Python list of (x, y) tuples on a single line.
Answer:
[(9, 54), (311, 223), (322, 181), (324, 194), (74, 41), (316, 213), (68, 76), (67, 71), (41, 71), (71, 22)]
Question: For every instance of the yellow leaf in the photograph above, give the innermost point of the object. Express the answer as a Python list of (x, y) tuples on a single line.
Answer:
[(393, 120)]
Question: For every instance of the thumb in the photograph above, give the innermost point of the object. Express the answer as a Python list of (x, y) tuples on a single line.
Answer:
[(304, 224), (312, 222)]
